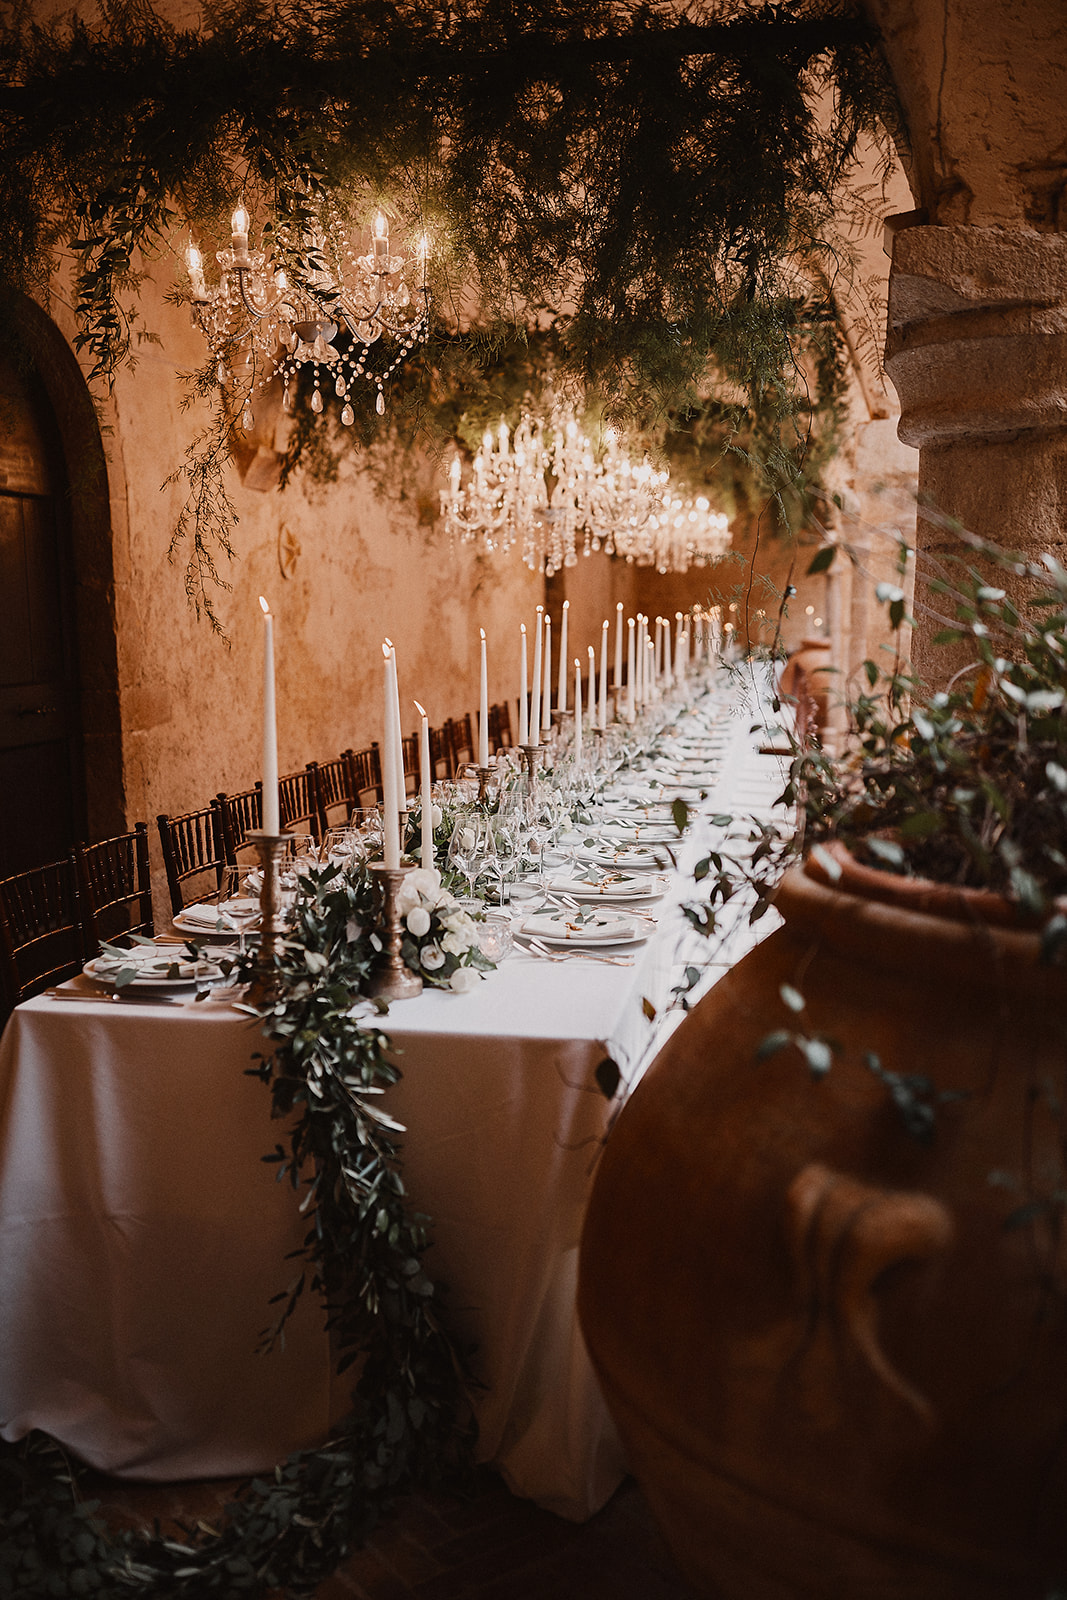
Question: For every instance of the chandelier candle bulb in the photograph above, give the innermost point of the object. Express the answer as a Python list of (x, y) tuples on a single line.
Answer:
[(603, 717), (239, 234), (524, 716), (271, 823), (535, 688), (591, 707), (426, 785), (561, 701), (577, 712), (195, 262), (381, 240), (483, 709), (546, 687), (390, 793)]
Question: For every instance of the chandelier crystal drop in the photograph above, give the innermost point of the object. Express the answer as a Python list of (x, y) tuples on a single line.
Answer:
[(265, 319), (546, 489)]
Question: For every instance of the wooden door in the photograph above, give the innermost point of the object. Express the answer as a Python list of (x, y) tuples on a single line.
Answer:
[(42, 806)]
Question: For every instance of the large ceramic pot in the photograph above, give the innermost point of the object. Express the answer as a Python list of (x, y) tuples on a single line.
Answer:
[(837, 1355)]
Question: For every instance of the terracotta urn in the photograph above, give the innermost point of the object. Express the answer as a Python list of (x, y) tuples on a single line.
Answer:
[(837, 1351), (806, 681)]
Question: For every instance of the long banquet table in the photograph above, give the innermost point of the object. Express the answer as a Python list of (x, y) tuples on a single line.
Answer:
[(141, 1234)]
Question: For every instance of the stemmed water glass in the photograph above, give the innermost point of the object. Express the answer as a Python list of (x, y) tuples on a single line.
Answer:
[(466, 847), (237, 906)]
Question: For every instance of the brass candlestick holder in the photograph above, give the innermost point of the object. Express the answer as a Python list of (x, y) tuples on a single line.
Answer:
[(530, 755), (270, 848), (484, 774), (391, 978)]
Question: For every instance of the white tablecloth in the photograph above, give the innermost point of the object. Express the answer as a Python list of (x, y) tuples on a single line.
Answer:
[(141, 1234)]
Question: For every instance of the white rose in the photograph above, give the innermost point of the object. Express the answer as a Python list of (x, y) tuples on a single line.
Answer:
[(466, 839), (431, 957), (419, 883), (418, 920), (463, 980), (437, 816), (456, 943)]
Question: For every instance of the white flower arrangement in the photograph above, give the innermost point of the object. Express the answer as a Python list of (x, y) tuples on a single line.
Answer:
[(440, 939)]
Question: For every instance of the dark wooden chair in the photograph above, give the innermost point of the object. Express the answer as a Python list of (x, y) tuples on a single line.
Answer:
[(461, 741), (410, 748), (239, 815), (367, 775), (298, 803), (192, 855), (499, 727), (115, 886), (42, 933), (441, 752), (335, 790)]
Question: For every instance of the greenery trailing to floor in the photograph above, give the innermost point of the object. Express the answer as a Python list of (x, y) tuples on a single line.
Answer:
[(410, 1422), (665, 187)]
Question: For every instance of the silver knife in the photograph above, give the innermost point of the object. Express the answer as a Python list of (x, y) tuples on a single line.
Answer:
[(119, 995)]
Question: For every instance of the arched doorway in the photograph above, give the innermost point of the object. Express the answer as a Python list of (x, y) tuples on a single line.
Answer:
[(60, 736)]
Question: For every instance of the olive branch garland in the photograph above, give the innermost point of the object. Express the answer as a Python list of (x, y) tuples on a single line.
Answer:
[(410, 1421)]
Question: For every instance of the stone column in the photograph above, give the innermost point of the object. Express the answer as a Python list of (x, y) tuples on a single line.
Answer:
[(977, 350)]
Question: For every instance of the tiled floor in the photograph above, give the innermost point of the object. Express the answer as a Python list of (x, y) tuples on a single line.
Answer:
[(488, 1547)]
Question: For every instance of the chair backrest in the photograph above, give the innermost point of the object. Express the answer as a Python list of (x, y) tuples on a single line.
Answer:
[(42, 938), (192, 854), (298, 803), (461, 741), (115, 886), (410, 749), (334, 790), (499, 726), (367, 775), (441, 752), (239, 815)]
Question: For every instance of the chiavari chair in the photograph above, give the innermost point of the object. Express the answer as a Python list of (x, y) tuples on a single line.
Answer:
[(441, 752), (192, 854), (115, 886), (298, 805), (499, 727), (367, 775), (239, 815), (42, 935), (335, 789), (461, 741)]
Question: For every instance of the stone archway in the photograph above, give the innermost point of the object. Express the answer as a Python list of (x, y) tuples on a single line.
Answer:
[(39, 345)]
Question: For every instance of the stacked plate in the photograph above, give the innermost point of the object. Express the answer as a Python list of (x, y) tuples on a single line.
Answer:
[(152, 969), (595, 926)]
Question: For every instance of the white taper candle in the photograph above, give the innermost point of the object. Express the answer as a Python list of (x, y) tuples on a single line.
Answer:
[(270, 820), (524, 715)]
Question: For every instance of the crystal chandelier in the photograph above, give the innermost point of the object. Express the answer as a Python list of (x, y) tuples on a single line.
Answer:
[(544, 489), (259, 325)]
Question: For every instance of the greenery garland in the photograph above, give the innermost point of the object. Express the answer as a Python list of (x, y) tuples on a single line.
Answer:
[(673, 179), (410, 1421)]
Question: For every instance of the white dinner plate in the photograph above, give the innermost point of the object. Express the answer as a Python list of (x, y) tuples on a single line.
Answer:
[(602, 928), (625, 887), (620, 857), (641, 832), (201, 919), (156, 968)]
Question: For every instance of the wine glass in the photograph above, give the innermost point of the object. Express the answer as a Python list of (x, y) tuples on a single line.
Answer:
[(466, 846), (238, 908)]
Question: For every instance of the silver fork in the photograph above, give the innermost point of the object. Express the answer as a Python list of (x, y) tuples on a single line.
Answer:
[(535, 947)]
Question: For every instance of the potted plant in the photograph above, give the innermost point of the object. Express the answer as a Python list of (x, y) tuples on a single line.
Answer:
[(823, 1275)]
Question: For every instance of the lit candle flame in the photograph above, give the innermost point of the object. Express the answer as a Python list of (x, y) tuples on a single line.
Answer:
[(418, 708), (266, 607)]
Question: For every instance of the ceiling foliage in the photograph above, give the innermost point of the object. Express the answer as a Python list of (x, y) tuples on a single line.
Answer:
[(659, 185)]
